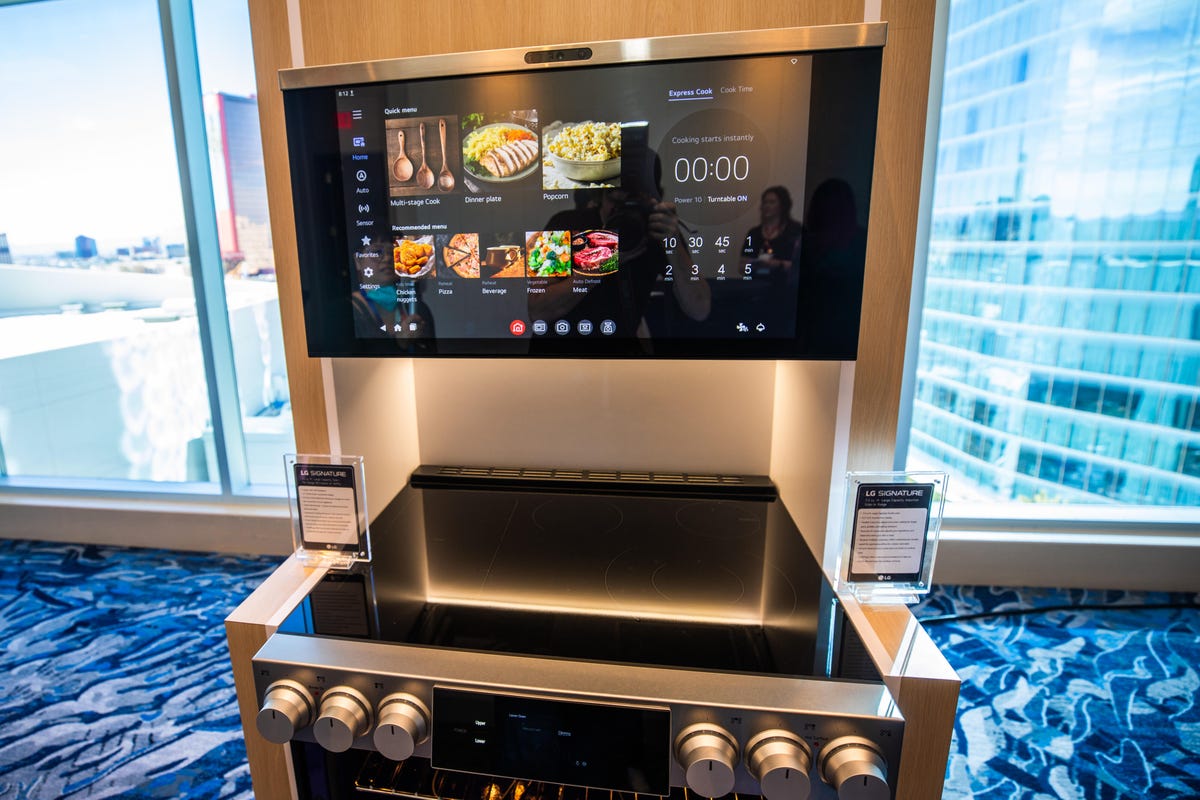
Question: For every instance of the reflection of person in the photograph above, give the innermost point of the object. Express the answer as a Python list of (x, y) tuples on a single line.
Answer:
[(586, 214), (642, 221), (379, 313), (769, 297), (376, 304), (831, 262), (772, 242)]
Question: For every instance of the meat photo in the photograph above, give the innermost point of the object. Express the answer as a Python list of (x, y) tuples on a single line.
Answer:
[(511, 158), (596, 260), (602, 239), (591, 258), (595, 252)]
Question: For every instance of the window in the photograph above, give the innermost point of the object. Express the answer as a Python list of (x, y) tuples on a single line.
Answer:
[(1070, 139), (119, 364)]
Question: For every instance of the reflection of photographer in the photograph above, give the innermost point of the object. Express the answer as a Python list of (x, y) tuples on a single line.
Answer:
[(694, 297), (641, 222)]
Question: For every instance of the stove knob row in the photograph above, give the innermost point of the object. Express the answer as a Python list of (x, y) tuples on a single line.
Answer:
[(781, 762), (344, 715)]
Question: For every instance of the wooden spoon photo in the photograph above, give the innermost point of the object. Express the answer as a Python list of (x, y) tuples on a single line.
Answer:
[(424, 173), (402, 168), (445, 177)]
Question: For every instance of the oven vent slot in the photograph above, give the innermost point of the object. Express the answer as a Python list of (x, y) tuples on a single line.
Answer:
[(756, 487)]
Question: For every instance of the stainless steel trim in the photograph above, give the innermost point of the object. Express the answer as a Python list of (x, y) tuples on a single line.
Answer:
[(580, 681), (658, 48)]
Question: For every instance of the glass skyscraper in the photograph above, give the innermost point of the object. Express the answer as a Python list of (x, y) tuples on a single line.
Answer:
[(239, 182), (1059, 355)]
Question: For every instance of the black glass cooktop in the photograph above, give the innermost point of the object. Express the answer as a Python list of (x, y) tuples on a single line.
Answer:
[(697, 582)]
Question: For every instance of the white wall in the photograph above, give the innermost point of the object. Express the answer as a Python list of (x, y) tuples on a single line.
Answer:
[(658, 415)]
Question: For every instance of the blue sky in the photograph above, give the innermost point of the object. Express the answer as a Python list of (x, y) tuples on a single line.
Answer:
[(86, 144)]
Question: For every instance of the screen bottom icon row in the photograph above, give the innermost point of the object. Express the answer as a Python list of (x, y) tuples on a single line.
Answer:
[(562, 327)]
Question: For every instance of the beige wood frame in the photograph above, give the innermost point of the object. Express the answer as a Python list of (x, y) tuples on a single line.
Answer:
[(246, 630), (333, 31)]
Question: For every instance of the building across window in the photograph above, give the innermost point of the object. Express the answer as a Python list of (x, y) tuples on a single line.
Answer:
[(1060, 341), (239, 184)]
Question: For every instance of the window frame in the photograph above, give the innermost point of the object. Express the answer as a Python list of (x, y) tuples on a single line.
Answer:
[(1114, 546), (232, 484)]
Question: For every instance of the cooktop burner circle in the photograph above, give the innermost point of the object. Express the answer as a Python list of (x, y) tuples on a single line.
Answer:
[(578, 516), (716, 519), (686, 579), (640, 573)]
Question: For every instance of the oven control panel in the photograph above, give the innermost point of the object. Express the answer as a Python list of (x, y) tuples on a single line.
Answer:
[(604, 726)]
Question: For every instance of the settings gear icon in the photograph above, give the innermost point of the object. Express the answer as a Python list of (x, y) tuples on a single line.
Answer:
[(368, 272)]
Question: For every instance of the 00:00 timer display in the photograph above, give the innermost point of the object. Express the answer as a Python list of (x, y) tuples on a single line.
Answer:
[(723, 168)]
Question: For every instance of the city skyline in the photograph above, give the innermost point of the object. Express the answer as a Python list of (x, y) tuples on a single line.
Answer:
[(92, 150), (103, 250)]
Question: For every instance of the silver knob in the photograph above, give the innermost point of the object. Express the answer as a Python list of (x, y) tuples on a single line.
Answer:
[(855, 767), (403, 724), (780, 762), (287, 707), (707, 754), (345, 716)]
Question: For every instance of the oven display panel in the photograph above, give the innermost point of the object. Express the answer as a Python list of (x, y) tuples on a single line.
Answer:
[(620, 748), (713, 206)]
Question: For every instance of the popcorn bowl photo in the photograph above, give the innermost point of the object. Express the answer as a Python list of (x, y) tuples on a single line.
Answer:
[(585, 151)]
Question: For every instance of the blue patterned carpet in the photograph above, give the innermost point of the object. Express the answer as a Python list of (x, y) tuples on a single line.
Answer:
[(117, 682), (1093, 695), (116, 677)]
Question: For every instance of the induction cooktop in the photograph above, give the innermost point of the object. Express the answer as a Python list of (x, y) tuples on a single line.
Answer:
[(706, 580)]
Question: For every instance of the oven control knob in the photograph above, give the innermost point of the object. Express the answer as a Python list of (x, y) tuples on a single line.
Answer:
[(403, 724), (855, 767), (707, 754), (287, 707), (780, 762), (345, 716)]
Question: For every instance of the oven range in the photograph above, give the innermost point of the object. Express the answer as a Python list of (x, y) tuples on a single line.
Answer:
[(550, 635)]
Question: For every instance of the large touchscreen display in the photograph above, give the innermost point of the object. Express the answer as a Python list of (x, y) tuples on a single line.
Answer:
[(689, 208)]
